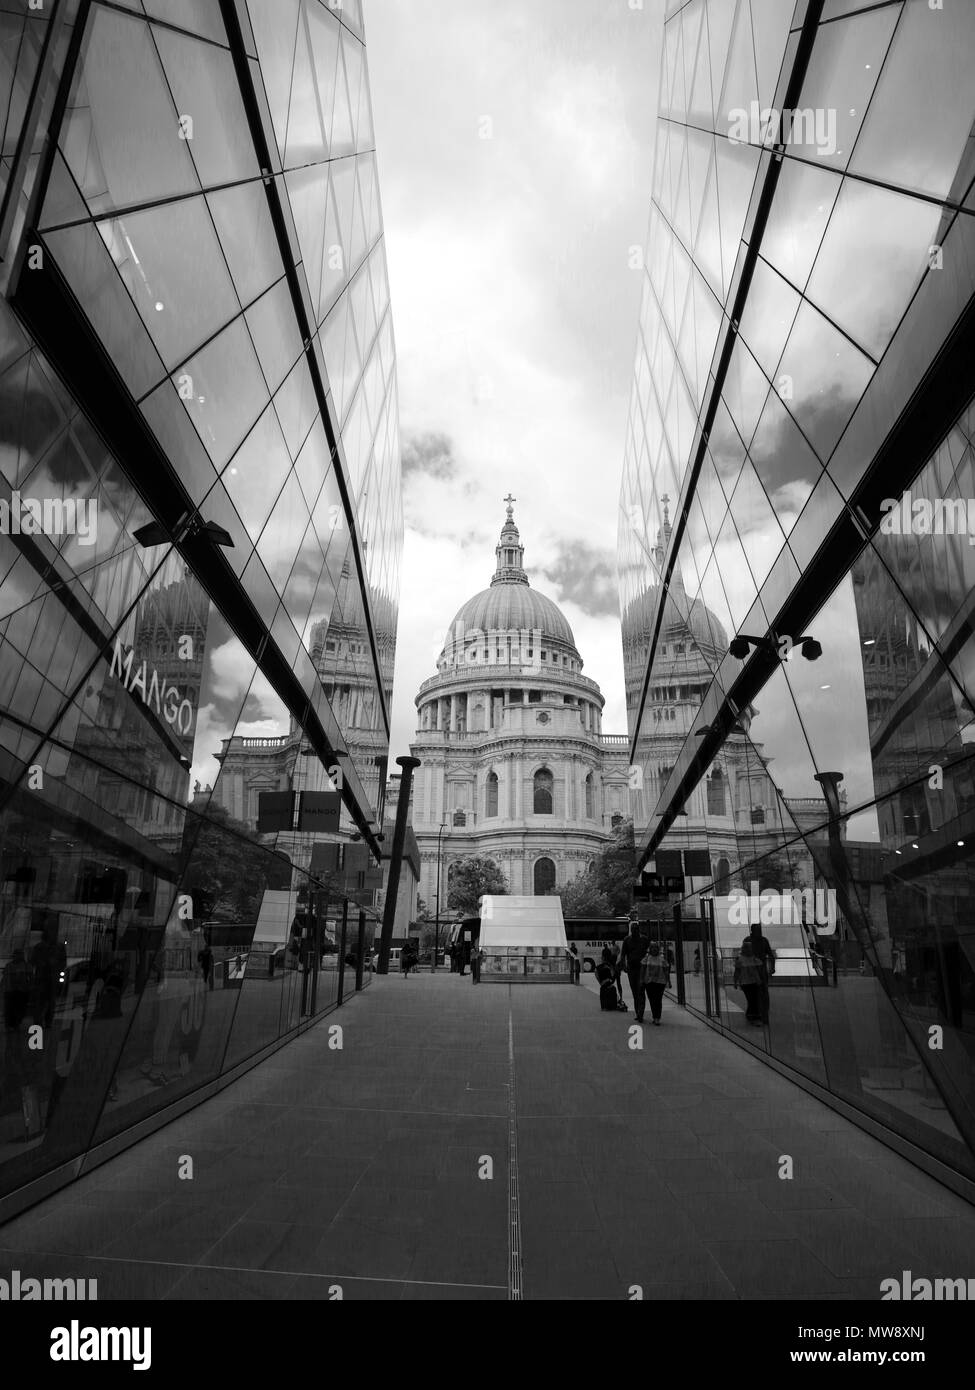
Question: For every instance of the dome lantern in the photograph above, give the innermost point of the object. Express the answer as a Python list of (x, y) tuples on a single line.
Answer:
[(510, 605), (510, 551)]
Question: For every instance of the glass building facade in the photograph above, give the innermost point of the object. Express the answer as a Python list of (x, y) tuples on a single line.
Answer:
[(799, 464), (200, 517)]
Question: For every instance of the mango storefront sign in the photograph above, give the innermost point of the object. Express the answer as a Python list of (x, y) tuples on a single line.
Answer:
[(154, 691)]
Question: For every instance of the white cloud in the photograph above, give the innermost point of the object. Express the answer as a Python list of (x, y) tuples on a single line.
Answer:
[(514, 310)]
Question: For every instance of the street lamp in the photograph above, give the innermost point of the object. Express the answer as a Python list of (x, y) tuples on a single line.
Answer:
[(436, 939)]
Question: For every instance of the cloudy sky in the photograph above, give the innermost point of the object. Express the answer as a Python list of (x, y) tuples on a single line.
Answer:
[(515, 149)]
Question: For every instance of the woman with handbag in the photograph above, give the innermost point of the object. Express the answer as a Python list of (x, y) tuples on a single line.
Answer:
[(656, 977)]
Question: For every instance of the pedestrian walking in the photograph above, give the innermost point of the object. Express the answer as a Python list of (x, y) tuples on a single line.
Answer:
[(607, 975), (205, 961), (656, 978), (697, 961), (762, 949), (476, 963), (748, 977), (631, 960), (575, 964)]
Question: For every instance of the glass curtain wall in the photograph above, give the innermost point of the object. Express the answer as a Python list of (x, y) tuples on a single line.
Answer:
[(199, 201), (799, 465)]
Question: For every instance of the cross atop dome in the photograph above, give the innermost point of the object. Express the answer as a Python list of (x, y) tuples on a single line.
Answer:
[(510, 551)]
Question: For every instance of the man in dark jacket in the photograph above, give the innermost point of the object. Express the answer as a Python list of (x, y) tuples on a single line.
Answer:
[(634, 949), (762, 950)]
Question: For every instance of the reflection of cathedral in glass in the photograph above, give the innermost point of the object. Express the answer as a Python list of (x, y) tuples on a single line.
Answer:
[(736, 813), (795, 411), (339, 649), (228, 420)]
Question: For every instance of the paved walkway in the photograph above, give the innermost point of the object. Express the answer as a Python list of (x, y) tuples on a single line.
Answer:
[(361, 1167)]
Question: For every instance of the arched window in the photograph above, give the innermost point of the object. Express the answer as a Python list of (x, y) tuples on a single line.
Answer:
[(491, 797), (460, 818), (617, 821), (544, 877), (723, 876), (590, 798), (544, 788), (716, 794), (591, 869)]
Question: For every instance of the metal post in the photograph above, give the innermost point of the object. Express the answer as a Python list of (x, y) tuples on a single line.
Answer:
[(706, 959), (360, 950), (345, 921), (318, 927), (715, 956), (436, 940), (396, 861), (679, 954)]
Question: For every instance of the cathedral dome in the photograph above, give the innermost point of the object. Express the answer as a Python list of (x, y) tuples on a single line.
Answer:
[(682, 616), (513, 606), (510, 604), (700, 623)]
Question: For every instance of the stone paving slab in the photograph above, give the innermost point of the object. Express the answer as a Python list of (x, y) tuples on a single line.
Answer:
[(385, 1169)]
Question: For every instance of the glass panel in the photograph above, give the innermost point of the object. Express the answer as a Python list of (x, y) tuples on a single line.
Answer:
[(769, 315), (921, 89), (297, 406), (306, 143), (204, 85), (230, 391), (196, 15), (865, 283), (86, 265), (275, 23), (257, 473), (737, 165), (745, 390), (803, 202), (740, 88), (324, 29), (182, 299), (277, 544), (307, 192), (275, 332), (247, 237), (821, 378), (846, 61), (770, 30), (760, 534), (783, 460), (119, 105)]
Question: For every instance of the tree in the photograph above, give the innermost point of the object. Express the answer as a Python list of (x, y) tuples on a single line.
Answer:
[(615, 871), (469, 879), (226, 870), (778, 872), (582, 898)]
